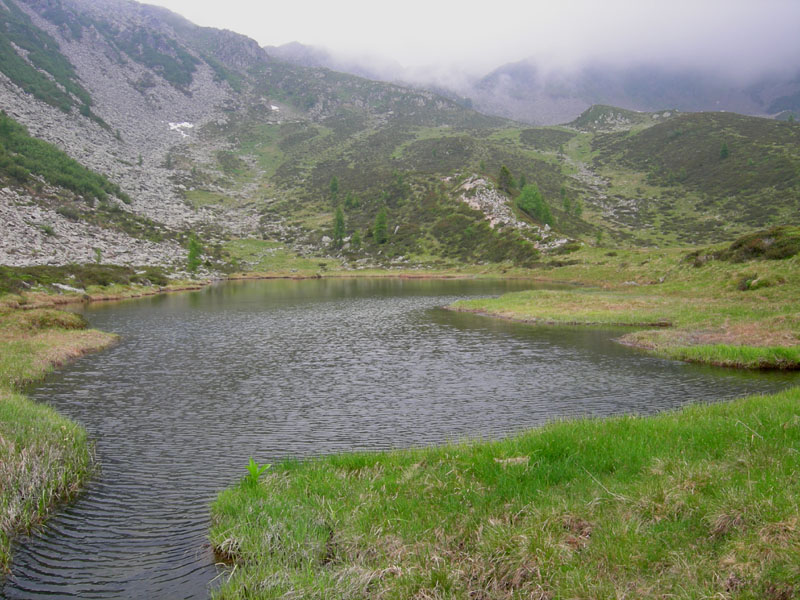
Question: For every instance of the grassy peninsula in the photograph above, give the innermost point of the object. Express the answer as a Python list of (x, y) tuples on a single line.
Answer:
[(725, 305)]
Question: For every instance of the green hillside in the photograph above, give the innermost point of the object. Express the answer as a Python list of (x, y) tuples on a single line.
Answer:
[(703, 176), (630, 178)]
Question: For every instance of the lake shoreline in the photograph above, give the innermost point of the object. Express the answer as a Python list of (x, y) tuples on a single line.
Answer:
[(720, 313), (46, 458), (762, 358), (609, 281)]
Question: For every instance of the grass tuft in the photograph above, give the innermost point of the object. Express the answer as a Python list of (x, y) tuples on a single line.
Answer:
[(44, 457)]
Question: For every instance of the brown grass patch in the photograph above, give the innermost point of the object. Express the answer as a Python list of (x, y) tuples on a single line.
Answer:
[(756, 334), (580, 530)]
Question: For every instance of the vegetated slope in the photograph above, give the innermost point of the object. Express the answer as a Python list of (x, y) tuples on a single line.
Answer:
[(31, 58), (43, 189), (609, 172), (704, 175), (203, 131), (403, 153)]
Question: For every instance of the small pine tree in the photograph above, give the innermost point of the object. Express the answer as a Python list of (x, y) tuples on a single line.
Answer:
[(350, 201), (532, 202), (195, 250), (381, 230), (522, 181), (334, 189), (577, 208), (598, 237), (723, 151), (338, 228), (504, 180), (355, 240)]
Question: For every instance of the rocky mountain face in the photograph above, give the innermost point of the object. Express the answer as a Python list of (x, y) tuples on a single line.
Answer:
[(149, 91)]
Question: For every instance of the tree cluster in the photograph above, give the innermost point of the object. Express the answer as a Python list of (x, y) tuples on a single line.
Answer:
[(531, 201)]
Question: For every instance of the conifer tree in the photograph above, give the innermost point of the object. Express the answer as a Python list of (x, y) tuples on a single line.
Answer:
[(338, 228), (380, 231), (504, 180)]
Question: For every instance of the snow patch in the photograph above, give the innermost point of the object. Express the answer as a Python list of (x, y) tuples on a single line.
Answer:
[(69, 288), (275, 108), (179, 127)]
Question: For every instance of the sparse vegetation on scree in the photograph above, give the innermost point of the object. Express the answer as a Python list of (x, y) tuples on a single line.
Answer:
[(22, 156)]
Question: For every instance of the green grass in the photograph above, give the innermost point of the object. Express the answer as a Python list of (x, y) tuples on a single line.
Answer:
[(44, 458), (707, 310), (201, 198), (697, 503), (743, 357), (272, 258), (262, 142)]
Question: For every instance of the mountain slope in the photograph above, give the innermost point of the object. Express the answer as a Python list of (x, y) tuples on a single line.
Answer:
[(200, 130), (686, 178)]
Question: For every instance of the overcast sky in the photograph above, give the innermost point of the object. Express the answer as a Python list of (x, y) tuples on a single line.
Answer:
[(738, 35)]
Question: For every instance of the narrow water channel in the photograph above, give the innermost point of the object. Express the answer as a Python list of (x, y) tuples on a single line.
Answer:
[(202, 381)]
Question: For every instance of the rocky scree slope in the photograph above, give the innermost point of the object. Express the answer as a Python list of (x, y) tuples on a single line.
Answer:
[(147, 91)]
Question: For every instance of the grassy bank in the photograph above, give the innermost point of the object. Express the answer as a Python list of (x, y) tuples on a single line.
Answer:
[(698, 503), (44, 458), (48, 286), (689, 307)]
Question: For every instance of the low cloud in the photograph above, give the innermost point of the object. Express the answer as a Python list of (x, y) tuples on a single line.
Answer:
[(469, 38)]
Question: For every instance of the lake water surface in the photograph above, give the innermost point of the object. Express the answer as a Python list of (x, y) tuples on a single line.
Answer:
[(204, 380)]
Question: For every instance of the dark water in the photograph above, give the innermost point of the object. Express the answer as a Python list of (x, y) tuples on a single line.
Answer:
[(202, 381)]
